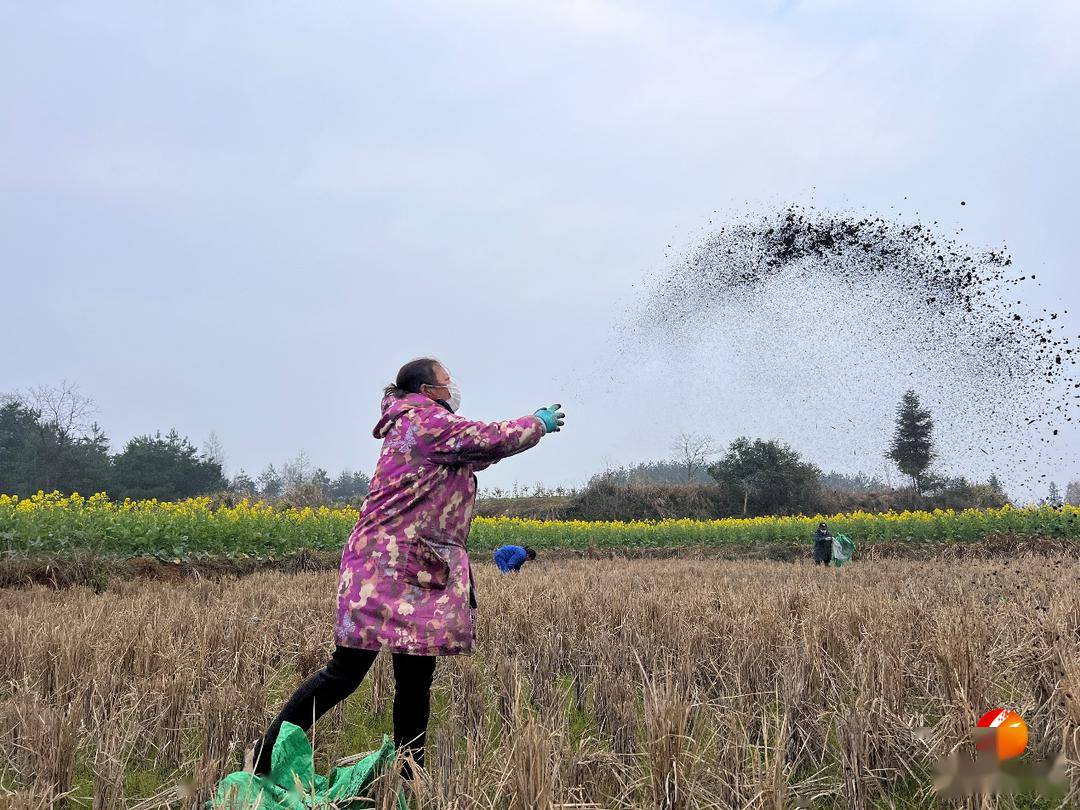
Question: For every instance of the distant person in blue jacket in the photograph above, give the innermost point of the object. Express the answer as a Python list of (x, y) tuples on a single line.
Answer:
[(511, 558)]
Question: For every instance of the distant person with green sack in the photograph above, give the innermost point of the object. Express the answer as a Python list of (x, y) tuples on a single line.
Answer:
[(823, 541)]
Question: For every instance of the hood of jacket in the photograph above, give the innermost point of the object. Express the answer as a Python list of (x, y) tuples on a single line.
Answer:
[(394, 408)]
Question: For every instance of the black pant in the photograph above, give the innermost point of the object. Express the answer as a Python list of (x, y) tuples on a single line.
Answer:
[(338, 679)]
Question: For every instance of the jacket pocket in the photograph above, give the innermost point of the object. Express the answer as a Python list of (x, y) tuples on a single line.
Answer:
[(426, 566)]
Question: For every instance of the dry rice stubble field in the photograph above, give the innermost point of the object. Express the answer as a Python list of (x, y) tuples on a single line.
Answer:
[(613, 683)]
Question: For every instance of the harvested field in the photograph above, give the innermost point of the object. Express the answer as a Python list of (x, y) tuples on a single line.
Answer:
[(598, 683)]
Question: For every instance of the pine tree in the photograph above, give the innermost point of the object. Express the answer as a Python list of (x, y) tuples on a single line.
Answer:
[(912, 446), (1054, 496), (270, 483), (243, 485), (995, 484)]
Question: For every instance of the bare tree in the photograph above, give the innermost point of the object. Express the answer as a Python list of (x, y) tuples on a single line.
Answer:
[(64, 408), (213, 450), (297, 472), (749, 485), (64, 415), (692, 451), (1072, 493)]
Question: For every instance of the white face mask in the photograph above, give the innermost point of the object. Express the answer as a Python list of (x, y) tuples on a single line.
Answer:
[(455, 396), (454, 400)]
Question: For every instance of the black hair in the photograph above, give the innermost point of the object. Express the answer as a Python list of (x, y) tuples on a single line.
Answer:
[(530, 554), (412, 376)]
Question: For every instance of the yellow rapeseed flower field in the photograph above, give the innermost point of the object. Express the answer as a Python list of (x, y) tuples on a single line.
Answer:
[(51, 523)]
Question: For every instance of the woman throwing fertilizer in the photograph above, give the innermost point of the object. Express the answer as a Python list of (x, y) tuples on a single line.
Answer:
[(405, 584)]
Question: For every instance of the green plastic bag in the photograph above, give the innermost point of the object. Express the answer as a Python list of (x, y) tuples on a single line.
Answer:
[(842, 549), (293, 784)]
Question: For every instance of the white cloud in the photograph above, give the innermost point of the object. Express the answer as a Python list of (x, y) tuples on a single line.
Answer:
[(594, 17), (597, 16)]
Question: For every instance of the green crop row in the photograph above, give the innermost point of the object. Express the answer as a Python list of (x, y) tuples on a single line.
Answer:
[(194, 528)]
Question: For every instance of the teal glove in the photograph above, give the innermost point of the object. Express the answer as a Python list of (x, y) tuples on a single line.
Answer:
[(552, 418)]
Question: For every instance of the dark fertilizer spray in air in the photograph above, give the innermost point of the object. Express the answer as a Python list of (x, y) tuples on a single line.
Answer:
[(808, 326)]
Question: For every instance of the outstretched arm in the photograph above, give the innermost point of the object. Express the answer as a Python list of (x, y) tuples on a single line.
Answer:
[(447, 438)]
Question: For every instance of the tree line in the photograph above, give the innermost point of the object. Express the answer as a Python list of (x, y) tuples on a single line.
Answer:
[(50, 442), (754, 476), (299, 483)]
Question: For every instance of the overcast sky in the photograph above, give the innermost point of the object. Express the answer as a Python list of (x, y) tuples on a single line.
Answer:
[(243, 217)]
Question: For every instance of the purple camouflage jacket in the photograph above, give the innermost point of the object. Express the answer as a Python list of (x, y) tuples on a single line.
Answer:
[(405, 581)]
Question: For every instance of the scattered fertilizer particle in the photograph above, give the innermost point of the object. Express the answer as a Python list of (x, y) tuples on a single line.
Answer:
[(773, 321)]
